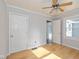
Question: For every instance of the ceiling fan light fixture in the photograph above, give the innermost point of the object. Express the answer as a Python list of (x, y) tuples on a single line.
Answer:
[(58, 6)]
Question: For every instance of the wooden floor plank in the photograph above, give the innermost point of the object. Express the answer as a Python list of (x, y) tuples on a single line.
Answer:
[(55, 50)]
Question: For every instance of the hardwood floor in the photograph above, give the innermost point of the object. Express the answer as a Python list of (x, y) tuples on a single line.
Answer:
[(51, 51)]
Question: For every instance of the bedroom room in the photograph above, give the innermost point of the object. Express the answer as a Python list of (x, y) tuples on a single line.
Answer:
[(39, 29)]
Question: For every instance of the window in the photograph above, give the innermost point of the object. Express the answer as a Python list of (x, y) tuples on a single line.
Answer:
[(72, 28), (75, 29), (68, 28)]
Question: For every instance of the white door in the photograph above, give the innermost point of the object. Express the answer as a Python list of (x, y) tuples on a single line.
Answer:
[(18, 28), (57, 31)]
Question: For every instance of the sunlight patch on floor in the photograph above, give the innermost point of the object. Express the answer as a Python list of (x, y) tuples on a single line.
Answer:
[(52, 56), (40, 52)]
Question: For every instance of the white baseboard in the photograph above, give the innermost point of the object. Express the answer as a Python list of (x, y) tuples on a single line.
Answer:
[(2, 57), (71, 46)]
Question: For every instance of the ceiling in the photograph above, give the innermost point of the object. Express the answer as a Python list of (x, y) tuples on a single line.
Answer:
[(36, 5)]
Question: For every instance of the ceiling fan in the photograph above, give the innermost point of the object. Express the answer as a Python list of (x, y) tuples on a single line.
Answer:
[(56, 5)]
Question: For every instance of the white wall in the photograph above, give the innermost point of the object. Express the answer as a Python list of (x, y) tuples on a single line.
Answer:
[(70, 42), (3, 29), (37, 27), (37, 30)]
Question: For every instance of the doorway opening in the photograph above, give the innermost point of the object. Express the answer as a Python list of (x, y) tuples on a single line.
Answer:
[(49, 32)]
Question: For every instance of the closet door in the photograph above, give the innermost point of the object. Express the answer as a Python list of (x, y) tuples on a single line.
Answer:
[(18, 32), (57, 31)]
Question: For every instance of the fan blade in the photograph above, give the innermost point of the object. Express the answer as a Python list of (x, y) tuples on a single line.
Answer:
[(66, 4), (54, 2), (62, 10), (46, 7)]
